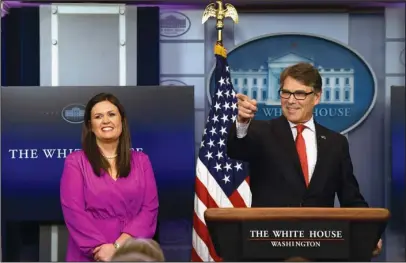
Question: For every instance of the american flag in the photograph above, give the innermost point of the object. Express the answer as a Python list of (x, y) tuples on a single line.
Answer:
[(220, 181)]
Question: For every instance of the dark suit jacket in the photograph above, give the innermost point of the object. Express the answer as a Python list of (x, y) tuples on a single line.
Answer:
[(276, 177)]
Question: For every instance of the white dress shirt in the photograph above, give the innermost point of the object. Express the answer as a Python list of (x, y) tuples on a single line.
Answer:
[(309, 135)]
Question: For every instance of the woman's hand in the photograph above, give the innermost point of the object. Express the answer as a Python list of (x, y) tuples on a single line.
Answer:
[(104, 252), (378, 248)]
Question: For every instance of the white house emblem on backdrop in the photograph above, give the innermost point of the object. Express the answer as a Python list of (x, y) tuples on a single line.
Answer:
[(74, 113), (172, 82), (173, 24), (402, 57)]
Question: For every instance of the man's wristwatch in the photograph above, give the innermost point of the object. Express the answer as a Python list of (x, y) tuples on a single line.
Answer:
[(116, 245)]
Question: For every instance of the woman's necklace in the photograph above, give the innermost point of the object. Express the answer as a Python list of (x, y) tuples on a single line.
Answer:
[(110, 157)]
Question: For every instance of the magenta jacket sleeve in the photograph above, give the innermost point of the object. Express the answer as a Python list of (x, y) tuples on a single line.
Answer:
[(144, 223), (77, 219)]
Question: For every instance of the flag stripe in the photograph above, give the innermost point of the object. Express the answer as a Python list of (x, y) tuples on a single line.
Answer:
[(237, 200), (199, 222), (195, 256), (213, 188), (205, 238), (200, 207), (201, 248), (245, 192), (203, 195)]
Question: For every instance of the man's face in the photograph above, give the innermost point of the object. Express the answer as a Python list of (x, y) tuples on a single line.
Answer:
[(299, 109)]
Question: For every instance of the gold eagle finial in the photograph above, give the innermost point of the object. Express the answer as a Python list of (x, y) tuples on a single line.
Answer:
[(223, 11), (220, 13)]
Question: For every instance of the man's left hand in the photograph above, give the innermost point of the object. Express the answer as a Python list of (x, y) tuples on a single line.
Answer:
[(104, 252), (378, 248)]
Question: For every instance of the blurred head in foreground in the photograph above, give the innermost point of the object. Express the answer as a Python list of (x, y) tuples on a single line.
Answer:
[(139, 250)]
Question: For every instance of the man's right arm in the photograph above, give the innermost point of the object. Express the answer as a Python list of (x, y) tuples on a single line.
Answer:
[(242, 129), (242, 142), (241, 136)]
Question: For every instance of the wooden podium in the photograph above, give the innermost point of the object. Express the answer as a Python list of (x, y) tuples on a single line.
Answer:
[(307, 234)]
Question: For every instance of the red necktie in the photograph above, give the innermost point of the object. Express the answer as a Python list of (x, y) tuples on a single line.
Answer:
[(301, 150)]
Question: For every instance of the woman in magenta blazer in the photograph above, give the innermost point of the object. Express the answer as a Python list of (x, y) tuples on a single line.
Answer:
[(108, 191)]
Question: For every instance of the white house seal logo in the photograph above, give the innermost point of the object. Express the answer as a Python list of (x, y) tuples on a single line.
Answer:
[(74, 113), (349, 84), (172, 82), (173, 24), (402, 57)]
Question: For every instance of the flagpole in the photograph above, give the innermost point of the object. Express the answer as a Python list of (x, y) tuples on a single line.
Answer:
[(220, 181), (220, 11)]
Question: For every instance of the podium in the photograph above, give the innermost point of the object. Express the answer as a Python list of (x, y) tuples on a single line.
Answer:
[(296, 234)]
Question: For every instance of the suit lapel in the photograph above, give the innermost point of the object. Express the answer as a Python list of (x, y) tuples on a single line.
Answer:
[(322, 143), (285, 138)]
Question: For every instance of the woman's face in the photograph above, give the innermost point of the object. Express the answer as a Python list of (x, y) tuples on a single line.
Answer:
[(106, 121)]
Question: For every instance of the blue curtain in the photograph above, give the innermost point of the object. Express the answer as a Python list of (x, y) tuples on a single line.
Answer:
[(20, 47), (20, 67), (148, 46), (148, 67)]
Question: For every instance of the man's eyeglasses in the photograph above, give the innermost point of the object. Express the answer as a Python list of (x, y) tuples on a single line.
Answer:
[(299, 95)]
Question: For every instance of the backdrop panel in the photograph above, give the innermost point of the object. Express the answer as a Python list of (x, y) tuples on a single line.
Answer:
[(41, 125), (398, 131)]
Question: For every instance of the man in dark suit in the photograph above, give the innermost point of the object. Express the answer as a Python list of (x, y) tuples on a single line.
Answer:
[(294, 161)]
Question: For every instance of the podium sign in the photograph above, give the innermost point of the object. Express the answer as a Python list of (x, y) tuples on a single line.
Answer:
[(286, 239)]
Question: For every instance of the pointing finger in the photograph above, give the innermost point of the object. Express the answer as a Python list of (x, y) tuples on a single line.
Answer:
[(241, 96)]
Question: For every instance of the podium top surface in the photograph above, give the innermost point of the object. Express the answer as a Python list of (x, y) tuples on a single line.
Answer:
[(297, 213)]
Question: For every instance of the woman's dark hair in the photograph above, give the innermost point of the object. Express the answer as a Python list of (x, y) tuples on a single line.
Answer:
[(89, 145)]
